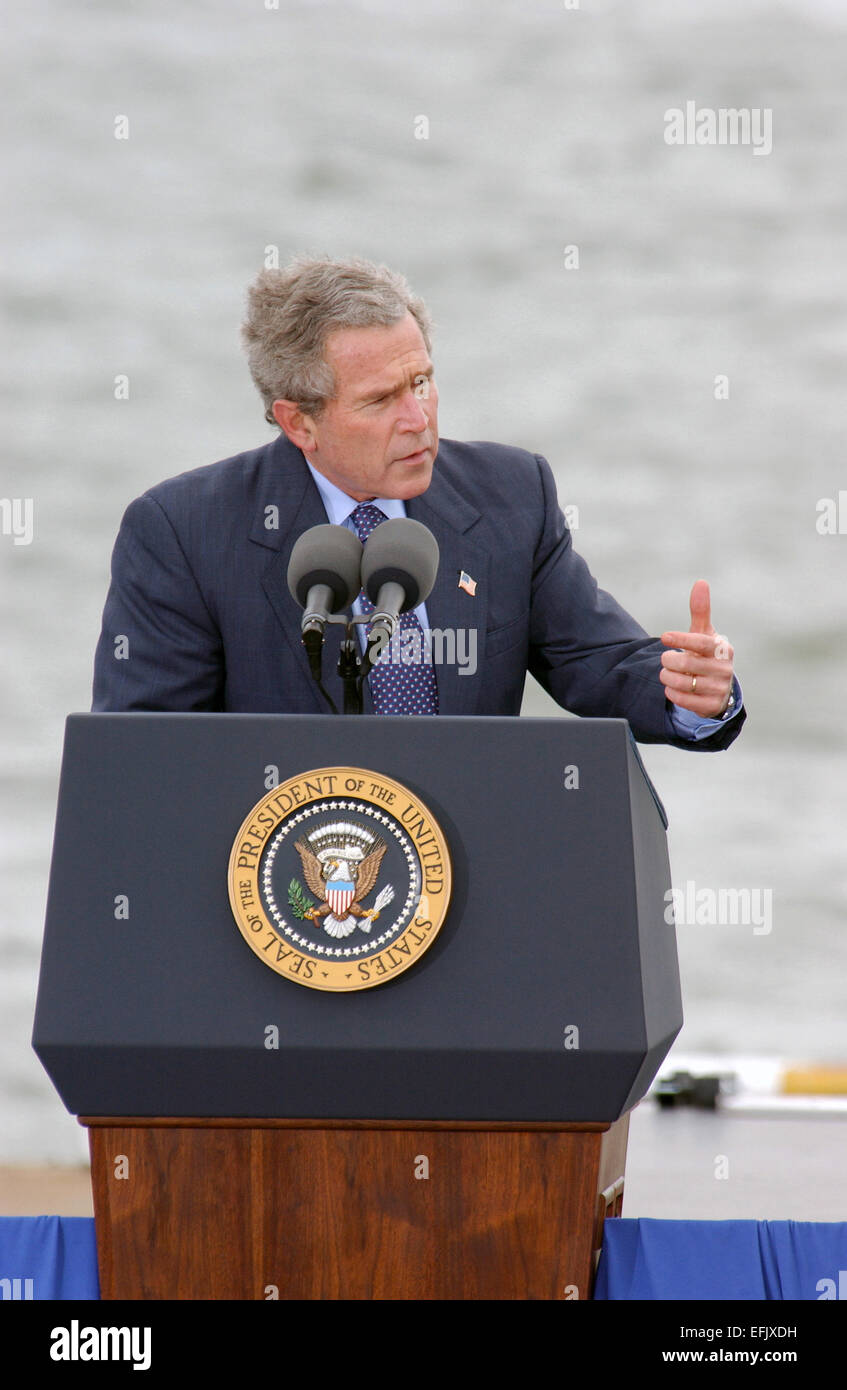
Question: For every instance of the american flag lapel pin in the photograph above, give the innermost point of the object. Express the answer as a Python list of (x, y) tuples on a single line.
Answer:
[(466, 583)]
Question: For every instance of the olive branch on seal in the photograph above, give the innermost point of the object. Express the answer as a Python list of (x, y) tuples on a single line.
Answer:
[(298, 901)]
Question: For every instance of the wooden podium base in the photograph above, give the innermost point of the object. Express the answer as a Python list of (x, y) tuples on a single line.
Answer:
[(303, 1209)]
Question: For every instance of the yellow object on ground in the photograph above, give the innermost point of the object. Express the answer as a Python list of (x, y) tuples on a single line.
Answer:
[(814, 1081)]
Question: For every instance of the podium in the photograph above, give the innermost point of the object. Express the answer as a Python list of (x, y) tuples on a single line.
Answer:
[(457, 1131)]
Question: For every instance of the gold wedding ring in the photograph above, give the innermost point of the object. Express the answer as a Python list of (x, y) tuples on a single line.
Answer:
[(693, 684)]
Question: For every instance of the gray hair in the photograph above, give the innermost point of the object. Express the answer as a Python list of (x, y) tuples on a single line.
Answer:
[(291, 312)]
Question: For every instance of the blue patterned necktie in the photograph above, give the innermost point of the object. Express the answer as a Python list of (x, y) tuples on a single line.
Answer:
[(403, 679)]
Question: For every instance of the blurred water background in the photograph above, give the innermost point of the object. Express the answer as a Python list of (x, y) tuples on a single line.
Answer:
[(295, 127)]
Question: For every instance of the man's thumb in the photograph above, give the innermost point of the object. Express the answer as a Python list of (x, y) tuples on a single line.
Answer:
[(701, 608)]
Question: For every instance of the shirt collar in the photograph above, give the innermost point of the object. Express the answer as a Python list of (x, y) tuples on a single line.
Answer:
[(339, 507)]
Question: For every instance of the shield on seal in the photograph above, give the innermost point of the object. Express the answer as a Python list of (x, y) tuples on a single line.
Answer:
[(339, 895)]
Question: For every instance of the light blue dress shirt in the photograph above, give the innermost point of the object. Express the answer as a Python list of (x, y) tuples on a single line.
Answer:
[(339, 509)]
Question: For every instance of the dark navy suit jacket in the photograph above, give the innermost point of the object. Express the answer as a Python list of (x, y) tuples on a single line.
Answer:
[(199, 617)]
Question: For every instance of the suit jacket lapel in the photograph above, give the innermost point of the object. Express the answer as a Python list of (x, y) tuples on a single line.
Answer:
[(289, 488), (451, 610)]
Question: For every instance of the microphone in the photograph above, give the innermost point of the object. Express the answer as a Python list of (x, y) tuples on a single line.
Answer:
[(399, 566), (323, 577), (323, 574)]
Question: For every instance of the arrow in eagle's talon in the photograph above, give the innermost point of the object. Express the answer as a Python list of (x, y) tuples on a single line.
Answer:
[(384, 898)]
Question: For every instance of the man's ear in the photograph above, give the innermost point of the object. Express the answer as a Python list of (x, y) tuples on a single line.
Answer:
[(295, 424)]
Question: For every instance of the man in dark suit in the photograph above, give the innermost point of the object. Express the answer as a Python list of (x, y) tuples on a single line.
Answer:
[(199, 616)]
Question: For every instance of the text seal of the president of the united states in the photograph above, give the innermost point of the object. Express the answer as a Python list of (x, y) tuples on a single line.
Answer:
[(339, 879)]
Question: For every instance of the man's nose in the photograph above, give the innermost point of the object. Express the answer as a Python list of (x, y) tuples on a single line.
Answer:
[(414, 417)]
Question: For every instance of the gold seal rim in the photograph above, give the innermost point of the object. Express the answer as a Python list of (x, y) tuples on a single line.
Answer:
[(245, 892)]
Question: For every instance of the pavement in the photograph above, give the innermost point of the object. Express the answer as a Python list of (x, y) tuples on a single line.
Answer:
[(736, 1164)]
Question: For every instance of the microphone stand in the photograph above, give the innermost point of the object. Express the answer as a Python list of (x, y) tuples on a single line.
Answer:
[(348, 669), (312, 637), (353, 669), (391, 596)]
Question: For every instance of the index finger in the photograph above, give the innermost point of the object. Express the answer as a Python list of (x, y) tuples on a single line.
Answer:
[(703, 643)]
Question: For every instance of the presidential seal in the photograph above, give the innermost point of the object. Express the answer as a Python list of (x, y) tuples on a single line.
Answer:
[(339, 879)]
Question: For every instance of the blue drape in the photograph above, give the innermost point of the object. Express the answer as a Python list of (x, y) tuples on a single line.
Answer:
[(48, 1257), (649, 1259)]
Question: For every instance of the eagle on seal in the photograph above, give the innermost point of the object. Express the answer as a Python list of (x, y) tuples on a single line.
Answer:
[(341, 874)]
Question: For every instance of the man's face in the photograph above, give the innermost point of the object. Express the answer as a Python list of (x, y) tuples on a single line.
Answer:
[(378, 437)]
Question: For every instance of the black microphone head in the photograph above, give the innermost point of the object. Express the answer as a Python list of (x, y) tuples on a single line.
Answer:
[(404, 552), (329, 555)]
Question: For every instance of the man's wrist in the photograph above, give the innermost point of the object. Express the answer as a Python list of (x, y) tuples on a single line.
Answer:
[(727, 709), (684, 723)]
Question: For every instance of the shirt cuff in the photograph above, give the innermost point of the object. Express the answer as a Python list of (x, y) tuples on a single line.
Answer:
[(686, 724)]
